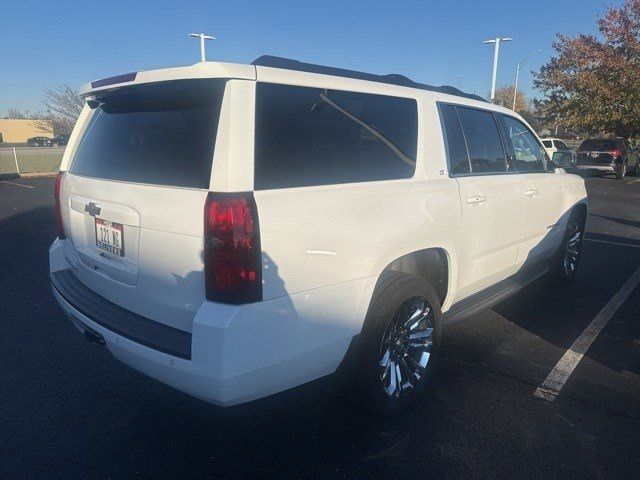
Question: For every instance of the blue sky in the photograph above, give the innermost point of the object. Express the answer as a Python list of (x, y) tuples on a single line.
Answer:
[(434, 42)]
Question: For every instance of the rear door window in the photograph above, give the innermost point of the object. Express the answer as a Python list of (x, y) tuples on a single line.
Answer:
[(311, 136), (161, 133), (483, 141), (547, 143), (528, 152)]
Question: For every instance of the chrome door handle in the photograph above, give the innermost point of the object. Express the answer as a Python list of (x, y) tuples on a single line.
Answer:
[(475, 199), (531, 192)]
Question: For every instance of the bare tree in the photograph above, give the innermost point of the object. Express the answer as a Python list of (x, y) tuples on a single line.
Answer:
[(15, 114), (64, 105)]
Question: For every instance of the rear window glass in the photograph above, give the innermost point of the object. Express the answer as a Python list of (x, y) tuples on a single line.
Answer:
[(162, 134), (593, 144), (311, 136)]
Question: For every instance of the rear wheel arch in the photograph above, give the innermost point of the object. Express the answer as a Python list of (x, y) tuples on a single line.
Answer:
[(432, 264), (581, 210)]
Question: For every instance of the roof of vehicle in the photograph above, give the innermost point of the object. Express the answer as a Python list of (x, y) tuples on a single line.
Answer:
[(220, 69), (391, 79)]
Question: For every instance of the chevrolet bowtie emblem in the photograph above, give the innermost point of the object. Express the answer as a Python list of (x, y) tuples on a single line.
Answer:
[(92, 209)]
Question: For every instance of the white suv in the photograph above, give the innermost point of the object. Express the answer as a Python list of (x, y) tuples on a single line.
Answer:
[(552, 145), (237, 230)]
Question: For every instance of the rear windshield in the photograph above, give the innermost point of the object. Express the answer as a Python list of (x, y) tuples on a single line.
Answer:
[(593, 144), (161, 134)]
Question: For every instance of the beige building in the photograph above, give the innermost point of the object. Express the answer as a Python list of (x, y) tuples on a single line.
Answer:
[(18, 131)]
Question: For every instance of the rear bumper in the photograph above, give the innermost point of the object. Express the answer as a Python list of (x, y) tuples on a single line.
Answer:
[(119, 320), (237, 353), (601, 168)]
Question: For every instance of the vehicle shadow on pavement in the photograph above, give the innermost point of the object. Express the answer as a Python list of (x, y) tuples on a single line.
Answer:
[(558, 314), (621, 221)]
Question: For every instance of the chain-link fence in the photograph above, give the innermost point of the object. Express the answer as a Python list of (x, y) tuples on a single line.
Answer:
[(18, 160)]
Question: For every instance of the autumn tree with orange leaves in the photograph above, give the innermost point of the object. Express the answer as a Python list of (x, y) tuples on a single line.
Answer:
[(593, 83)]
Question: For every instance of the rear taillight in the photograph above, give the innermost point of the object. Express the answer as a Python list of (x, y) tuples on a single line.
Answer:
[(232, 256), (614, 153), (57, 186)]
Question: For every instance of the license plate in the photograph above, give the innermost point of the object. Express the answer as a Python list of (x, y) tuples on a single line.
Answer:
[(109, 237), (594, 154)]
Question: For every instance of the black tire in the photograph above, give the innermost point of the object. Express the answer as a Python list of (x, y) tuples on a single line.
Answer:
[(395, 296), (564, 264), (622, 171)]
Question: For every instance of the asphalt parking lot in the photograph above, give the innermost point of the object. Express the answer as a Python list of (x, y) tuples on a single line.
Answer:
[(69, 410)]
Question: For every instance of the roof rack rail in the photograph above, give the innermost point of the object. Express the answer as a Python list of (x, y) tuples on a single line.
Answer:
[(392, 78)]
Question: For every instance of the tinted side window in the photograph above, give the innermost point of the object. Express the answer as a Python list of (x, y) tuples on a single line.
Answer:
[(561, 145), (483, 141), (457, 150), (310, 136), (529, 154), (547, 143)]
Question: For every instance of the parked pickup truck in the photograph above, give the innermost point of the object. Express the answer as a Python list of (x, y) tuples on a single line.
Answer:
[(237, 230)]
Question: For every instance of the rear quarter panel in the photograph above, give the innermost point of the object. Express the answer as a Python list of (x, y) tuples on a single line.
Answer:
[(320, 236), (575, 191)]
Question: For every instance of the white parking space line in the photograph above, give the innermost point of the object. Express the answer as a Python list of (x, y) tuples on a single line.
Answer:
[(634, 245), (16, 184), (634, 181), (554, 382)]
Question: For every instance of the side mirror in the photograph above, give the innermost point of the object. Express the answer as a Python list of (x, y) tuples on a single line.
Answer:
[(563, 159)]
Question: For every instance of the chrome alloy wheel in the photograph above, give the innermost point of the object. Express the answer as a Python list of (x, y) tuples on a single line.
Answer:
[(572, 249), (406, 347)]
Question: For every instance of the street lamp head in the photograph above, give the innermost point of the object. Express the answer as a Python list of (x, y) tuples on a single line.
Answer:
[(521, 64), (499, 40), (202, 35), (202, 38)]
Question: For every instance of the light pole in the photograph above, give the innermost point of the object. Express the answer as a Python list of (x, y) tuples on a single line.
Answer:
[(518, 67), (496, 49), (202, 38)]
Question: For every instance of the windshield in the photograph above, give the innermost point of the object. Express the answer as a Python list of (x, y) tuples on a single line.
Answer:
[(162, 133)]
